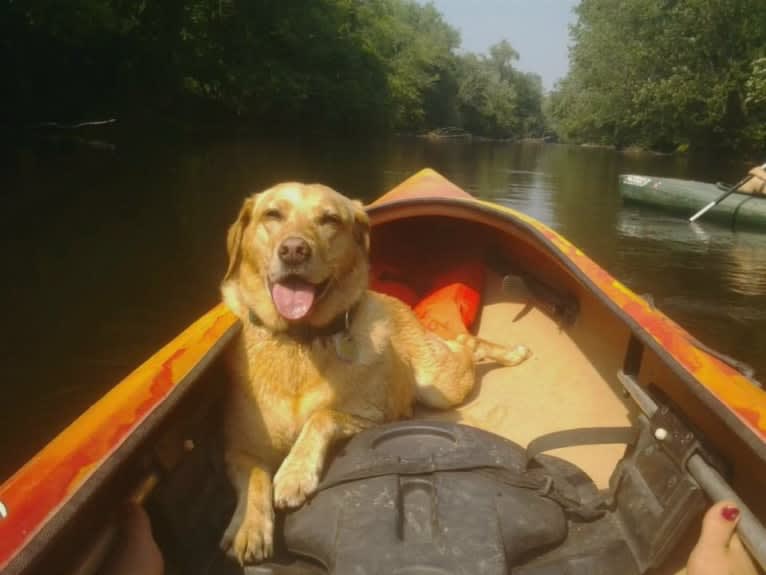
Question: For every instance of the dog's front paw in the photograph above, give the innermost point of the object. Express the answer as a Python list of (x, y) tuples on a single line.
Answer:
[(294, 483), (249, 538)]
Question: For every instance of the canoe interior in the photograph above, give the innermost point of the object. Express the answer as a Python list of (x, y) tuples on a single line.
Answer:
[(570, 382), (556, 388)]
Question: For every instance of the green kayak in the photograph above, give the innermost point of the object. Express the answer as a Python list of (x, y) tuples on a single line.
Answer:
[(686, 197)]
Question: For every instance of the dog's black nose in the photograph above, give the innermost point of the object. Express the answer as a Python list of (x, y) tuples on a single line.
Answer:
[(294, 251)]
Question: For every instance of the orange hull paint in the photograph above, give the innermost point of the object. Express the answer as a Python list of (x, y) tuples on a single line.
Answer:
[(49, 479)]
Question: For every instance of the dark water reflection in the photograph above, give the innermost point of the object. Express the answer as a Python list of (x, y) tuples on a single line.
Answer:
[(108, 254)]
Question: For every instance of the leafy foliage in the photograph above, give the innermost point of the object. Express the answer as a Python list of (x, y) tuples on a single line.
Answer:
[(292, 66), (494, 98), (664, 73)]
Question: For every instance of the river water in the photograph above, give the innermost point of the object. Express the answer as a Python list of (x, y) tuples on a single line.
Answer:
[(112, 244)]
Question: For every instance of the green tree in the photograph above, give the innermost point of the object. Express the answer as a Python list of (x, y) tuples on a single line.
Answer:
[(660, 73), (487, 105), (495, 99), (294, 66), (416, 48), (502, 56), (755, 102)]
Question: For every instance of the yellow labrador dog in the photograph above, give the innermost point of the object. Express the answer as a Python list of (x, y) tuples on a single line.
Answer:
[(320, 357)]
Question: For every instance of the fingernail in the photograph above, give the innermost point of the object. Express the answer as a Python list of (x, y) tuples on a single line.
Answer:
[(730, 513)]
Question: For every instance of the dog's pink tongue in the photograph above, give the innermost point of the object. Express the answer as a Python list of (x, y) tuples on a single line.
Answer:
[(293, 298)]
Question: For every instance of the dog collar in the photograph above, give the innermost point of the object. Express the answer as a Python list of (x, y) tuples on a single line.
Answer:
[(307, 333)]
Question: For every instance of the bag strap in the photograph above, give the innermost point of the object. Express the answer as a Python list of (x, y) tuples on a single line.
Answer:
[(581, 436), (595, 507), (551, 486)]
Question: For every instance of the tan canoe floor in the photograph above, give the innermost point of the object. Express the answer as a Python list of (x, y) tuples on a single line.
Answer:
[(570, 382), (557, 388)]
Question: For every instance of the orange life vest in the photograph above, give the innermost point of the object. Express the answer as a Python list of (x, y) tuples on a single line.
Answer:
[(451, 300)]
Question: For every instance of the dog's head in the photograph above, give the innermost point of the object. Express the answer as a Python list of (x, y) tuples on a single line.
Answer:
[(297, 254)]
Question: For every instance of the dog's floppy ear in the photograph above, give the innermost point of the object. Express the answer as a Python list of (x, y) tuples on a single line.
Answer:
[(234, 237), (361, 224)]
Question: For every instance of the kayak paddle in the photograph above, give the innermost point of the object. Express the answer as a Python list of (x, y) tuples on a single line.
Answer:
[(723, 196)]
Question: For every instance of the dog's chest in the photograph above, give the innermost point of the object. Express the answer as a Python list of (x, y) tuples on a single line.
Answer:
[(290, 381)]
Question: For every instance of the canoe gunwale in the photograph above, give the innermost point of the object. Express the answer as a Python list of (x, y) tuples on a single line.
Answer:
[(38, 543), (380, 214)]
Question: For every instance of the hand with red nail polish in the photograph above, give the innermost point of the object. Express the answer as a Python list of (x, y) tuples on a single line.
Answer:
[(719, 550)]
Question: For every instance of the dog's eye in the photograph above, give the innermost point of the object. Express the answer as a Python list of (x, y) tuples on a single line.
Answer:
[(273, 214), (330, 220)]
